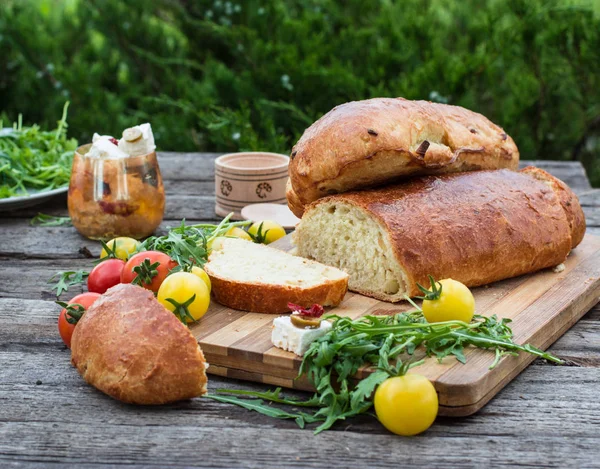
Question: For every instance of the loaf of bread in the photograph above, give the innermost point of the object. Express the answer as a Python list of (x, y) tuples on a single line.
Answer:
[(377, 141), (476, 227), (258, 278), (133, 349)]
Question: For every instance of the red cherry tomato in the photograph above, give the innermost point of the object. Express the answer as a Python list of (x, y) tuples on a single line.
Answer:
[(65, 328), (152, 267), (105, 275)]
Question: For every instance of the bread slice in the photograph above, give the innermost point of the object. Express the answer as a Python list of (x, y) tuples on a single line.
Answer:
[(258, 278), (476, 227), (340, 233)]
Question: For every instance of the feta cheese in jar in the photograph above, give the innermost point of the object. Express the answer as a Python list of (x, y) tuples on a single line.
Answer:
[(137, 140)]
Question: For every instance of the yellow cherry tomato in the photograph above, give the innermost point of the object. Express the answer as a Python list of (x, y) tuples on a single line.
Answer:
[(237, 232), (456, 303), (203, 276), (215, 244), (406, 405), (180, 287), (234, 232), (266, 231), (123, 247)]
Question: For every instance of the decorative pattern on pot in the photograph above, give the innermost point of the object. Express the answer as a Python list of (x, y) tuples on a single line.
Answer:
[(226, 187), (262, 189)]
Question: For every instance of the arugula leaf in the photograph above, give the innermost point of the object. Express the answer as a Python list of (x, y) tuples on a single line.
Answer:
[(365, 388), (41, 219), (273, 396), (67, 279), (258, 405)]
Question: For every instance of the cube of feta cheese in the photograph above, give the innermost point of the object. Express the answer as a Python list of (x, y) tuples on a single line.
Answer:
[(104, 148), (138, 140), (97, 137), (294, 339)]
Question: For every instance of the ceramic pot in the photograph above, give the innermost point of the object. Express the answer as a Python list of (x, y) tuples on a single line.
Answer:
[(249, 178)]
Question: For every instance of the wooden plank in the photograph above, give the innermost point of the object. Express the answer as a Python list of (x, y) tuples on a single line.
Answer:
[(175, 166), (26, 279), (21, 240)]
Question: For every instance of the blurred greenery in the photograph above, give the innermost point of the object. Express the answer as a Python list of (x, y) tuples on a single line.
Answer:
[(227, 75)]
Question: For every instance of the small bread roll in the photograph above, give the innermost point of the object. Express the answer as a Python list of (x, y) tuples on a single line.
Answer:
[(133, 349)]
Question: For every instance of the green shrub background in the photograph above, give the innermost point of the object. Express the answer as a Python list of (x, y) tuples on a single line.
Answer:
[(249, 75)]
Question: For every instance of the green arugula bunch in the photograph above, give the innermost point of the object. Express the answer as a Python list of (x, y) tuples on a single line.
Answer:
[(386, 344), (32, 159)]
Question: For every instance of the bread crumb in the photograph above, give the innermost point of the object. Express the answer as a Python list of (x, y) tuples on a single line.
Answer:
[(559, 268)]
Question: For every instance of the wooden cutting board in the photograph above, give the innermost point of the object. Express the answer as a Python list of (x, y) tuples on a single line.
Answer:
[(543, 306)]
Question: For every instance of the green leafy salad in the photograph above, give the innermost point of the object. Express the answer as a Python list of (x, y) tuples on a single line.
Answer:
[(34, 160)]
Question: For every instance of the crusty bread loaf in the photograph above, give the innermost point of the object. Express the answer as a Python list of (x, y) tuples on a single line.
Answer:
[(133, 349), (476, 227), (376, 141), (262, 279)]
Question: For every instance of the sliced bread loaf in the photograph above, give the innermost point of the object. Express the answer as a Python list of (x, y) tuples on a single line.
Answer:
[(262, 279), (476, 227)]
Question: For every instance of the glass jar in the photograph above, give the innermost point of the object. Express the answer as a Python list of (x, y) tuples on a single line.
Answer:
[(110, 197)]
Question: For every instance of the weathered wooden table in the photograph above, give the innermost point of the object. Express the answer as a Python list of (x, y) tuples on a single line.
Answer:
[(548, 417)]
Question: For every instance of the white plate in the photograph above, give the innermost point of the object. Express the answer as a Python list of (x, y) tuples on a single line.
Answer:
[(35, 198), (275, 212)]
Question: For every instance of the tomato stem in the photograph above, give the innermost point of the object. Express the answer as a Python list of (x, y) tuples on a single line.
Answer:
[(145, 272), (74, 311), (434, 293), (111, 253), (259, 237), (182, 310)]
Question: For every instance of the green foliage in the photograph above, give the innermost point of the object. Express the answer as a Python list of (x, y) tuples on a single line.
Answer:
[(228, 75)]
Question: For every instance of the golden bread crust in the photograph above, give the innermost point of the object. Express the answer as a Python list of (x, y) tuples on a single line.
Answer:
[(477, 227), (294, 203), (133, 349), (376, 141), (568, 200), (274, 299)]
